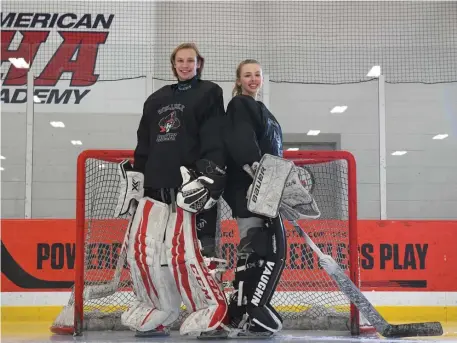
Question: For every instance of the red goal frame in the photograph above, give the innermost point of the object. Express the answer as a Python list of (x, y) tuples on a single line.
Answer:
[(309, 157)]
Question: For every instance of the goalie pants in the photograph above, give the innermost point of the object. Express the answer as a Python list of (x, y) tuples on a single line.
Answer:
[(167, 266)]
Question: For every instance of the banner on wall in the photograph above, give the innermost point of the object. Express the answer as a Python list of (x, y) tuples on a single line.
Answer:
[(394, 255), (55, 44)]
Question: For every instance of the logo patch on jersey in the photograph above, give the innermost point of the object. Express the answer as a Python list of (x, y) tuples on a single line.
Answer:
[(169, 122)]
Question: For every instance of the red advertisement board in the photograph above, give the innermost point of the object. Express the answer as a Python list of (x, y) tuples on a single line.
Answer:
[(39, 255)]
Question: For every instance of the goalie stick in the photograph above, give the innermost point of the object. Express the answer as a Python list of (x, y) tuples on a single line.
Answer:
[(354, 294), (361, 302)]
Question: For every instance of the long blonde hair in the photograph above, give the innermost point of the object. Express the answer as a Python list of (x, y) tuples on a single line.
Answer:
[(187, 46), (237, 90)]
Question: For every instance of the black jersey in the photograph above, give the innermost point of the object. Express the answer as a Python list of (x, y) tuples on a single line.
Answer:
[(181, 124), (250, 131)]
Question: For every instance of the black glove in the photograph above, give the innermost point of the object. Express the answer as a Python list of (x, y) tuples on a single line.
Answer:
[(212, 177)]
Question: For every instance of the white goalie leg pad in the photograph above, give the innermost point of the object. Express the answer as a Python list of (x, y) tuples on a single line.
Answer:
[(201, 294), (158, 300)]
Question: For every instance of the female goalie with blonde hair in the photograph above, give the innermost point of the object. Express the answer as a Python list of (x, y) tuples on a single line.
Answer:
[(251, 131)]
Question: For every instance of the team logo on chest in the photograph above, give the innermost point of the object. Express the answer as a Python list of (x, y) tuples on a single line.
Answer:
[(169, 122)]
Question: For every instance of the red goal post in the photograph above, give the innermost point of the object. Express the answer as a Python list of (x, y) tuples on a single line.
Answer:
[(306, 296)]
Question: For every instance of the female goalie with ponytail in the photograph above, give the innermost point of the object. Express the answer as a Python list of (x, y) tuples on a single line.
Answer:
[(251, 131)]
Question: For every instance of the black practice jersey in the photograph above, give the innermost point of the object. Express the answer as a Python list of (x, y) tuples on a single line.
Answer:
[(250, 131), (181, 124)]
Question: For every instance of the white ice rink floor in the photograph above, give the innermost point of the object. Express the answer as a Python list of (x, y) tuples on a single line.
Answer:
[(39, 333)]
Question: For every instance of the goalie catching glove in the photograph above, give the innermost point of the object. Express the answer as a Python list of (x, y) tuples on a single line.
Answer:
[(202, 189), (280, 186), (131, 189), (297, 201)]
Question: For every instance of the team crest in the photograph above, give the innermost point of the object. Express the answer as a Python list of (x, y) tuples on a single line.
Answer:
[(168, 123)]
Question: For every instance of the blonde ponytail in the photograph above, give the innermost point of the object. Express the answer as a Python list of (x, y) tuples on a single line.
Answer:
[(237, 90)]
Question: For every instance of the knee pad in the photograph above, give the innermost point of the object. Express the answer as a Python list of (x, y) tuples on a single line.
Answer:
[(261, 259)]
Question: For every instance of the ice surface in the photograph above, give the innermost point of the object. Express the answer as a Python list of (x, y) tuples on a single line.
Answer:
[(38, 332)]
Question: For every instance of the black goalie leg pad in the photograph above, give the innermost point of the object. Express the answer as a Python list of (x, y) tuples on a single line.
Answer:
[(260, 264)]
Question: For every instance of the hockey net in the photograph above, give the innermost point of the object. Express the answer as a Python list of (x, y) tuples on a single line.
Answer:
[(306, 297)]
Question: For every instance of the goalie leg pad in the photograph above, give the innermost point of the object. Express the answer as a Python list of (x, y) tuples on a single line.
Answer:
[(158, 300), (259, 268), (200, 292)]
